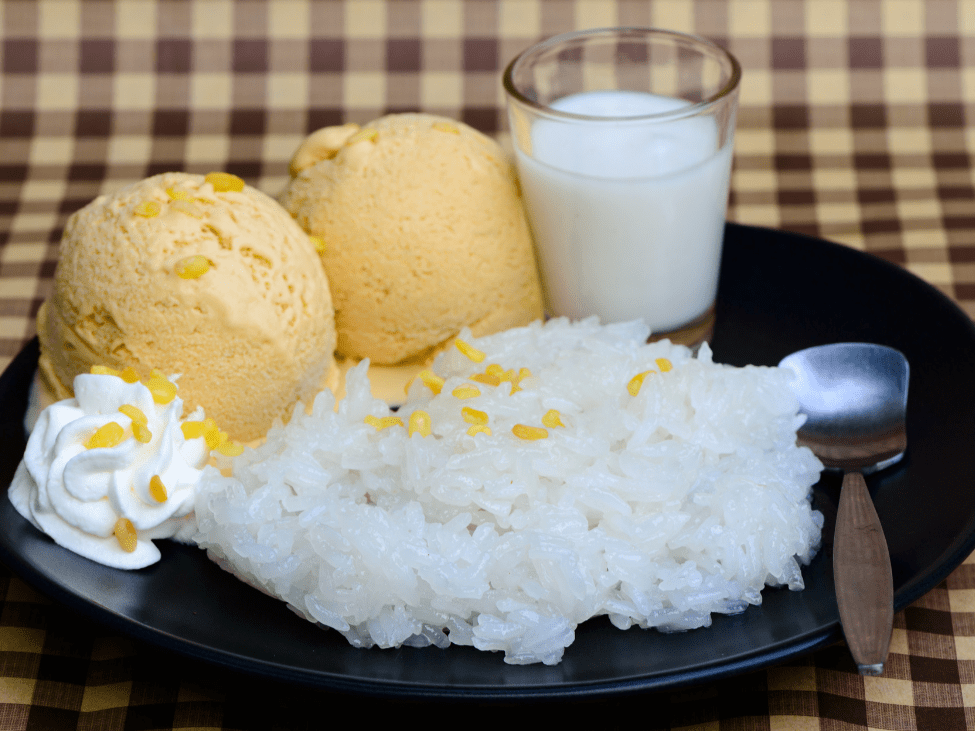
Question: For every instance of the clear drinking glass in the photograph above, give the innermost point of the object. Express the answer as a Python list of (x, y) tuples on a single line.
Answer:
[(623, 139)]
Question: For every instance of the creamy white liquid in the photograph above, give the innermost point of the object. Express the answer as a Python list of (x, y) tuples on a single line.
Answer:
[(628, 217)]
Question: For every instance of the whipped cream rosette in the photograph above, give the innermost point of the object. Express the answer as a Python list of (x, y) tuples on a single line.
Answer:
[(113, 468)]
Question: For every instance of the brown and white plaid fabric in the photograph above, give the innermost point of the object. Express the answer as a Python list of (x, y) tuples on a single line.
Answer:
[(857, 124)]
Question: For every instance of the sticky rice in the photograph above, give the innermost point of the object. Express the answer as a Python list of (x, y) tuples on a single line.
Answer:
[(665, 488)]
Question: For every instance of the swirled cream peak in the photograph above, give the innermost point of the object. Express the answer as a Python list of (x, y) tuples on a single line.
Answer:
[(200, 275), (115, 467)]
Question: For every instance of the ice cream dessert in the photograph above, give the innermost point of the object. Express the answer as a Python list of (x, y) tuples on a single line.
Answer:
[(200, 276), (114, 467), (423, 233)]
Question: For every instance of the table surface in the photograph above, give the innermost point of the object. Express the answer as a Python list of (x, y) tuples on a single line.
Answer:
[(856, 125)]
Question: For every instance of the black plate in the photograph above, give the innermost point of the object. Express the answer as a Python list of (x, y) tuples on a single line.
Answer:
[(779, 292)]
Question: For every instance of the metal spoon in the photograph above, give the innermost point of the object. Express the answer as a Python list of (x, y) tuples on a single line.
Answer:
[(855, 397)]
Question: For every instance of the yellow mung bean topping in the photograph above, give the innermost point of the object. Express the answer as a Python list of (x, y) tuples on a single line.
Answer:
[(552, 419), (473, 416), (212, 434), (432, 381), (529, 433), (141, 433), (487, 379), (636, 383), (178, 194), (230, 449), (128, 375), (420, 423), (126, 535), (318, 242), (447, 127), (225, 182), (105, 436), (470, 351), (466, 391), (478, 429), (134, 413), (192, 429), (664, 365), (384, 422), (516, 380), (162, 389), (147, 209), (157, 489), (192, 267)]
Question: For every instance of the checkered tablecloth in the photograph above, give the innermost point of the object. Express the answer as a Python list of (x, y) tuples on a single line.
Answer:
[(857, 124)]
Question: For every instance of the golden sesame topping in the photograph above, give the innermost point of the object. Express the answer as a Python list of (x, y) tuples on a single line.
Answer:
[(384, 422), (147, 209), (126, 535), (108, 435), (473, 416), (478, 429), (363, 135), (192, 267), (447, 127), (664, 365), (636, 383), (466, 391), (225, 182), (318, 242), (162, 389), (420, 423), (552, 419), (529, 433), (469, 350), (432, 381), (157, 489)]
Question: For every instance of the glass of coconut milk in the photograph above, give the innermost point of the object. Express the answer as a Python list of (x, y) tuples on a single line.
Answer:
[(623, 139)]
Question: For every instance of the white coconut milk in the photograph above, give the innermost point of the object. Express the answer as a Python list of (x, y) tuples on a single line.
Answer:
[(628, 215)]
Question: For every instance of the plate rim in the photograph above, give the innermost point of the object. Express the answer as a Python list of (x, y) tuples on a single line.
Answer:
[(957, 552)]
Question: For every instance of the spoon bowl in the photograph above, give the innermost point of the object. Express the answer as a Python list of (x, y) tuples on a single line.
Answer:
[(854, 396)]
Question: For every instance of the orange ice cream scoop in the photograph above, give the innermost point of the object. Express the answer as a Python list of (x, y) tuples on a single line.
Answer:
[(199, 276), (422, 231)]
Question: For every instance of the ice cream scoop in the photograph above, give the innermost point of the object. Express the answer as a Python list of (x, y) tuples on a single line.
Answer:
[(423, 233), (199, 276)]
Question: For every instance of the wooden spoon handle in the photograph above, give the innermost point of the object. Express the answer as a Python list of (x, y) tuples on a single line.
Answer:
[(861, 569)]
